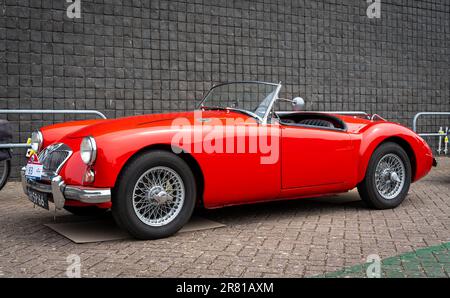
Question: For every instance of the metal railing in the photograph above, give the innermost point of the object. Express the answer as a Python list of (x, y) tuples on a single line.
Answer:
[(427, 134), (442, 134), (34, 112)]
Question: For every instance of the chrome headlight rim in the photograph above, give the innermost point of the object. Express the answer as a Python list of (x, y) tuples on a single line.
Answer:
[(37, 140), (88, 150)]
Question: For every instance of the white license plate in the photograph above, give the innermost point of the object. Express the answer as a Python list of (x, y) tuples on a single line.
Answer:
[(34, 170)]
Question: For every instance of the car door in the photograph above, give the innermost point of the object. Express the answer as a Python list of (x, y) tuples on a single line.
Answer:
[(250, 172), (314, 157)]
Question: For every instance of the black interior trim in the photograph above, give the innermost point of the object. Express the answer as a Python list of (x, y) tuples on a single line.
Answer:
[(295, 119)]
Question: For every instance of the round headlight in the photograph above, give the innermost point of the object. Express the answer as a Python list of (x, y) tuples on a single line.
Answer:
[(88, 150), (36, 141)]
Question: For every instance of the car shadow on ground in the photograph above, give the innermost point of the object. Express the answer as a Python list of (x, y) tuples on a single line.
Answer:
[(250, 213), (282, 209), (243, 215)]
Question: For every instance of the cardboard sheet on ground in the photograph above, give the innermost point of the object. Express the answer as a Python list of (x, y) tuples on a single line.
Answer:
[(106, 230)]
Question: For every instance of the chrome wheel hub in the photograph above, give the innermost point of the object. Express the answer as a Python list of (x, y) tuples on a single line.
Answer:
[(158, 196), (390, 175), (394, 177)]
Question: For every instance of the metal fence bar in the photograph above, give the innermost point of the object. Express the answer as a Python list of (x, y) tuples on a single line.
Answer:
[(14, 145), (416, 117), (93, 112), (23, 145), (430, 134)]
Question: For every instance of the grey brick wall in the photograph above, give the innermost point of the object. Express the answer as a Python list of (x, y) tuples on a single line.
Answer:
[(128, 57)]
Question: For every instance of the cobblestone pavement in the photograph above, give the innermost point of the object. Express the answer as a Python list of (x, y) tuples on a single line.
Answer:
[(291, 238)]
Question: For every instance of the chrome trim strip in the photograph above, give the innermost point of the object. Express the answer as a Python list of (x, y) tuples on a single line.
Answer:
[(87, 194), (56, 147), (62, 192), (23, 180), (57, 188), (350, 113), (47, 188)]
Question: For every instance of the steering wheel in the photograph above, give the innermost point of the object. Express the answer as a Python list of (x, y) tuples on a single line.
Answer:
[(276, 115)]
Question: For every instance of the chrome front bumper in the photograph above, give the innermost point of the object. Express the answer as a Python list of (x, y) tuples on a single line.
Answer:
[(54, 184)]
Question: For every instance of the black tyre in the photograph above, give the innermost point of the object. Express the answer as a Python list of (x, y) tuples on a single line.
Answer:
[(388, 177), (86, 211), (154, 196), (5, 169)]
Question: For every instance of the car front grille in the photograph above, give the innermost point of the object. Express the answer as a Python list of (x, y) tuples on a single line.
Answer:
[(54, 156)]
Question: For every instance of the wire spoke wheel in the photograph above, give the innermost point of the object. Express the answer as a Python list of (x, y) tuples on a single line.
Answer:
[(390, 176), (158, 196)]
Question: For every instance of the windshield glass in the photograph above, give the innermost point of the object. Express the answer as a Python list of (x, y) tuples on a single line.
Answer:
[(253, 97)]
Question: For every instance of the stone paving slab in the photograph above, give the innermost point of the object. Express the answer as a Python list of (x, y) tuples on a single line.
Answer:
[(294, 238)]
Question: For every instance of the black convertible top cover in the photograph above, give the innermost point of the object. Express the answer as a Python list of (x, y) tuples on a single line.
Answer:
[(5, 132), (5, 137)]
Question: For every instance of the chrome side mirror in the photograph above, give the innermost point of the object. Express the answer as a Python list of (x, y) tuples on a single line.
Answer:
[(298, 104)]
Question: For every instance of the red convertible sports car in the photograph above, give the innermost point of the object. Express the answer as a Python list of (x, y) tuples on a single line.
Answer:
[(235, 148)]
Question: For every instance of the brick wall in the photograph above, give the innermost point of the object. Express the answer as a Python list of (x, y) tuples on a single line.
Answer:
[(131, 57)]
